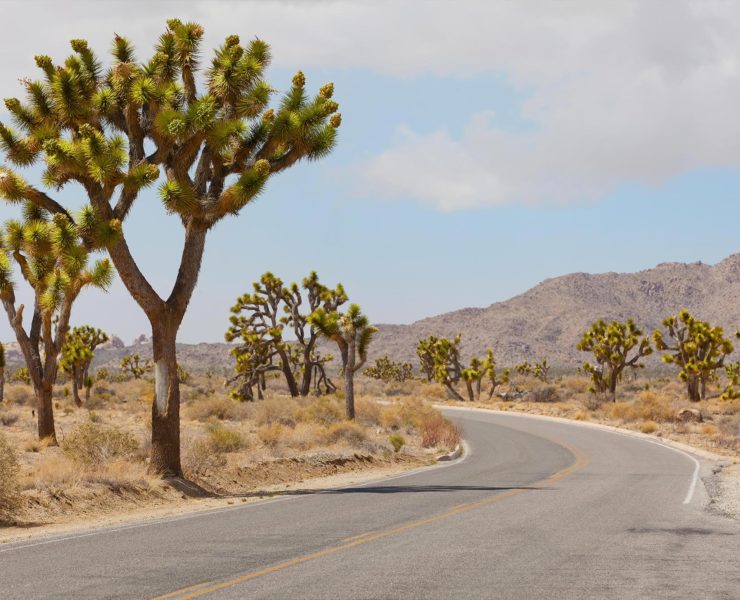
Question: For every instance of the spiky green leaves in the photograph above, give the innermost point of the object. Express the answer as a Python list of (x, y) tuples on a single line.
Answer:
[(246, 188), (52, 257), (612, 346), (696, 347), (13, 187)]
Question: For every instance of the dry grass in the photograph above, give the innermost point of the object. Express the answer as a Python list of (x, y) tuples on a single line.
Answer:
[(225, 439), (9, 488), (217, 407), (93, 444)]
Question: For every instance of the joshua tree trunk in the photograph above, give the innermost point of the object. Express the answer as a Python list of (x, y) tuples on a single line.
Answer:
[(469, 387), (692, 386), (349, 378), (289, 378), (165, 318), (76, 387), (165, 451), (2, 385), (453, 392)]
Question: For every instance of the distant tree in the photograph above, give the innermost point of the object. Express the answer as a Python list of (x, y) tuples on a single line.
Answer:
[(21, 375), (260, 320), (388, 370), (616, 347), (539, 370), (135, 365), (443, 355), (77, 354), (697, 348), (732, 390), (425, 352), (490, 373), (51, 253), (352, 333), (116, 131)]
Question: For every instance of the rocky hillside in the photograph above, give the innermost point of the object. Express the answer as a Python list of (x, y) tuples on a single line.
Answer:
[(548, 320), (544, 322)]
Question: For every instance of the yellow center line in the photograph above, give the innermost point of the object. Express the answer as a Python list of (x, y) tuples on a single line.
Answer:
[(581, 460)]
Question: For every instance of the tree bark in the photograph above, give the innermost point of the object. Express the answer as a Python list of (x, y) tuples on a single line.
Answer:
[(289, 378), (165, 451), (349, 378), (45, 411), (76, 388), (2, 385), (692, 386)]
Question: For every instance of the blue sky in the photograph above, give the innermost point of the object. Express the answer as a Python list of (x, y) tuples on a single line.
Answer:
[(472, 163)]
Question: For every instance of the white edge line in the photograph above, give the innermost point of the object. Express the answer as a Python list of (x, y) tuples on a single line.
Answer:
[(600, 427), (20, 545)]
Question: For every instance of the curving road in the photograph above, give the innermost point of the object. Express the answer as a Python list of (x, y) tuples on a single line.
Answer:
[(537, 509)]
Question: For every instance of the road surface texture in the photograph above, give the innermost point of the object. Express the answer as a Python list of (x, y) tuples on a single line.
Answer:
[(537, 509)]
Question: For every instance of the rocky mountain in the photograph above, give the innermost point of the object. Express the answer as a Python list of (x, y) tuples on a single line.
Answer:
[(548, 320), (543, 322)]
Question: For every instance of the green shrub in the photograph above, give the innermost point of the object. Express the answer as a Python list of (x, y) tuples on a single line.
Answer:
[(92, 443), (224, 439), (397, 441)]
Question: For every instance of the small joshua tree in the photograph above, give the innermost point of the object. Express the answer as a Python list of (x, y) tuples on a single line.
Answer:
[(697, 348), (388, 370), (134, 364), (732, 390), (51, 253), (490, 373), (77, 354), (538, 370), (352, 333), (116, 131), (615, 347)]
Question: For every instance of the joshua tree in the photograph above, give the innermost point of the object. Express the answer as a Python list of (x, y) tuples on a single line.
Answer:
[(732, 391), (698, 349), (51, 253), (77, 354), (388, 370), (260, 319), (441, 356), (2, 372), (611, 346), (352, 333), (134, 364), (114, 132), (538, 370), (489, 372)]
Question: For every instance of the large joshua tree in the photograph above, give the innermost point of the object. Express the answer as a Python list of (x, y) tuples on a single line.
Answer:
[(52, 258), (115, 132), (352, 333)]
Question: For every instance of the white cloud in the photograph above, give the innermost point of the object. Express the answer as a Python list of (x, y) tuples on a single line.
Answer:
[(627, 91)]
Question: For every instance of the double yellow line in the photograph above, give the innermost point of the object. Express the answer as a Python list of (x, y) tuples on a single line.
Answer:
[(203, 588)]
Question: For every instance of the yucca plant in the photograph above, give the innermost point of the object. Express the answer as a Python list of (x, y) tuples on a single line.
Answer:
[(352, 333), (52, 255), (697, 348), (616, 347), (77, 354), (116, 131)]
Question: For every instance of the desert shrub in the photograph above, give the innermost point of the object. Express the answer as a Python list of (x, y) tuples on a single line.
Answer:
[(305, 436), (324, 410), (7, 419), (224, 439), (575, 385), (408, 413), (272, 410), (648, 406), (271, 435), (367, 412), (436, 431), (648, 426), (347, 432), (218, 407), (397, 441), (92, 444), (19, 394), (20, 376), (9, 488), (544, 393), (200, 459), (591, 401)]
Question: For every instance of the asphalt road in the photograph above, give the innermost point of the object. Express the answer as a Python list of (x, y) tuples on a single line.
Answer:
[(537, 509)]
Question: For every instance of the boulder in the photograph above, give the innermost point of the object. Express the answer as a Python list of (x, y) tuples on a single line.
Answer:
[(689, 415)]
